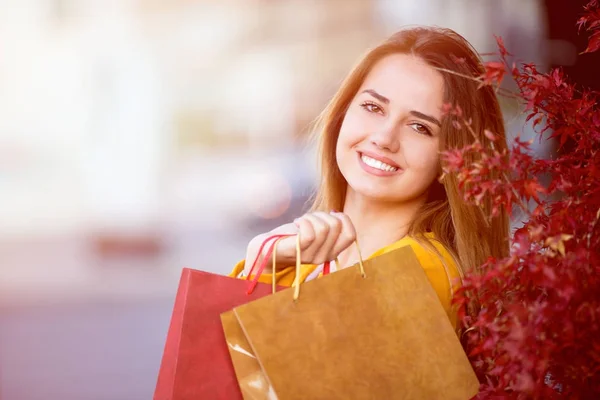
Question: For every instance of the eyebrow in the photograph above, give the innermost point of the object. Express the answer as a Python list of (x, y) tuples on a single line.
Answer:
[(426, 117), (378, 96), (417, 114)]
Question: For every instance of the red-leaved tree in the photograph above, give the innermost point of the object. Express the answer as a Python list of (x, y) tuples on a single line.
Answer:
[(535, 331)]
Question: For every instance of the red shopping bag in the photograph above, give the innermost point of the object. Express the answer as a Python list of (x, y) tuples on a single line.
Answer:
[(196, 363)]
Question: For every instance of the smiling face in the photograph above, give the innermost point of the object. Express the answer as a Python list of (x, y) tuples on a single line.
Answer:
[(388, 145)]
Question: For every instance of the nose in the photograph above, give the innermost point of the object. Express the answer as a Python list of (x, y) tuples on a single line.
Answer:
[(386, 139)]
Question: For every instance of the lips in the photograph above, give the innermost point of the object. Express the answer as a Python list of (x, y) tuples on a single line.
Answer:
[(373, 163), (380, 158), (378, 165)]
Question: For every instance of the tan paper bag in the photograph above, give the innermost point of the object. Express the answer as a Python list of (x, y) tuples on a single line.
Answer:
[(381, 335), (251, 379)]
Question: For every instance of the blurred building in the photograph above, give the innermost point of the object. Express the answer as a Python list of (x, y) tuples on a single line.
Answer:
[(132, 123), (106, 106)]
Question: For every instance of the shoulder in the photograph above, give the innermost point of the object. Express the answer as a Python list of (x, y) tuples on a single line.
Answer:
[(430, 252)]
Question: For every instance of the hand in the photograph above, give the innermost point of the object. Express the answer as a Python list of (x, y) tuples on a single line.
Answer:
[(323, 236)]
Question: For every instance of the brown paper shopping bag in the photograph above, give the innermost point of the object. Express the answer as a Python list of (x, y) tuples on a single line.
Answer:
[(375, 331), (251, 379)]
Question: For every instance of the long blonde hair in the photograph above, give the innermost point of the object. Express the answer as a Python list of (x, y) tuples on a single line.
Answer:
[(467, 231)]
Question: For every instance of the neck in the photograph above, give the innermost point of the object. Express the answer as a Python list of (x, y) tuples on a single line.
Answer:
[(378, 224)]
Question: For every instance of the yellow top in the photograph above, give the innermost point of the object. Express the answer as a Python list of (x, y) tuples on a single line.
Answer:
[(431, 262)]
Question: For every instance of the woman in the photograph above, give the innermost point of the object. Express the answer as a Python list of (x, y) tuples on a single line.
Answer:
[(380, 142)]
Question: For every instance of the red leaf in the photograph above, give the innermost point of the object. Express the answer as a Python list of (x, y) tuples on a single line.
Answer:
[(532, 188), (524, 383), (539, 210), (501, 46), (596, 118), (494, 72), (529, 116), (488, 134), (454, 158), (549, 274), (593, 43), (592, 17), (457, 60)]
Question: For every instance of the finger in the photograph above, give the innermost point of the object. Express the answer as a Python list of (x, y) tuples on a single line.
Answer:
[(327, 229), (335, 228), (318, 251), (320, 229), (286, 248), (285, 229), (347, 235), (306, 232)]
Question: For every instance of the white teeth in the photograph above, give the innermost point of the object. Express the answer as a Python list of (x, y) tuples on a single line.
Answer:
[(371, 162)]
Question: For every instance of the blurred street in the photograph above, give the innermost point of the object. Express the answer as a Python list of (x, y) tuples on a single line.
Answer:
[(101, 336), (89, 351)]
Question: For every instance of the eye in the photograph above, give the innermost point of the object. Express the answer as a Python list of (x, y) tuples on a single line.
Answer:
[(421, 129), (372, 107)]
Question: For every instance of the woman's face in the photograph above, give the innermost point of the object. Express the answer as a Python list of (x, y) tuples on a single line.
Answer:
[(387, 148)]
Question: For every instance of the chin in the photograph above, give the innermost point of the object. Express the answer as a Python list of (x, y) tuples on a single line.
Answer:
[(377, 194), (382, 193)]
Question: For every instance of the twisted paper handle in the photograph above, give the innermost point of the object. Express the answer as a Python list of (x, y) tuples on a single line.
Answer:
[(273, 252), (326, 266)]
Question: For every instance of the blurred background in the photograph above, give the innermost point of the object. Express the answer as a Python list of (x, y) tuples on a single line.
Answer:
[(138, 137)]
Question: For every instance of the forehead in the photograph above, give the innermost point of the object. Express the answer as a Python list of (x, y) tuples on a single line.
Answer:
[(407, 80)]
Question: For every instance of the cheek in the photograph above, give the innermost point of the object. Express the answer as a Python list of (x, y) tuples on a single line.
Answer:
[(354, 128), (422, 156), (351, 134)]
